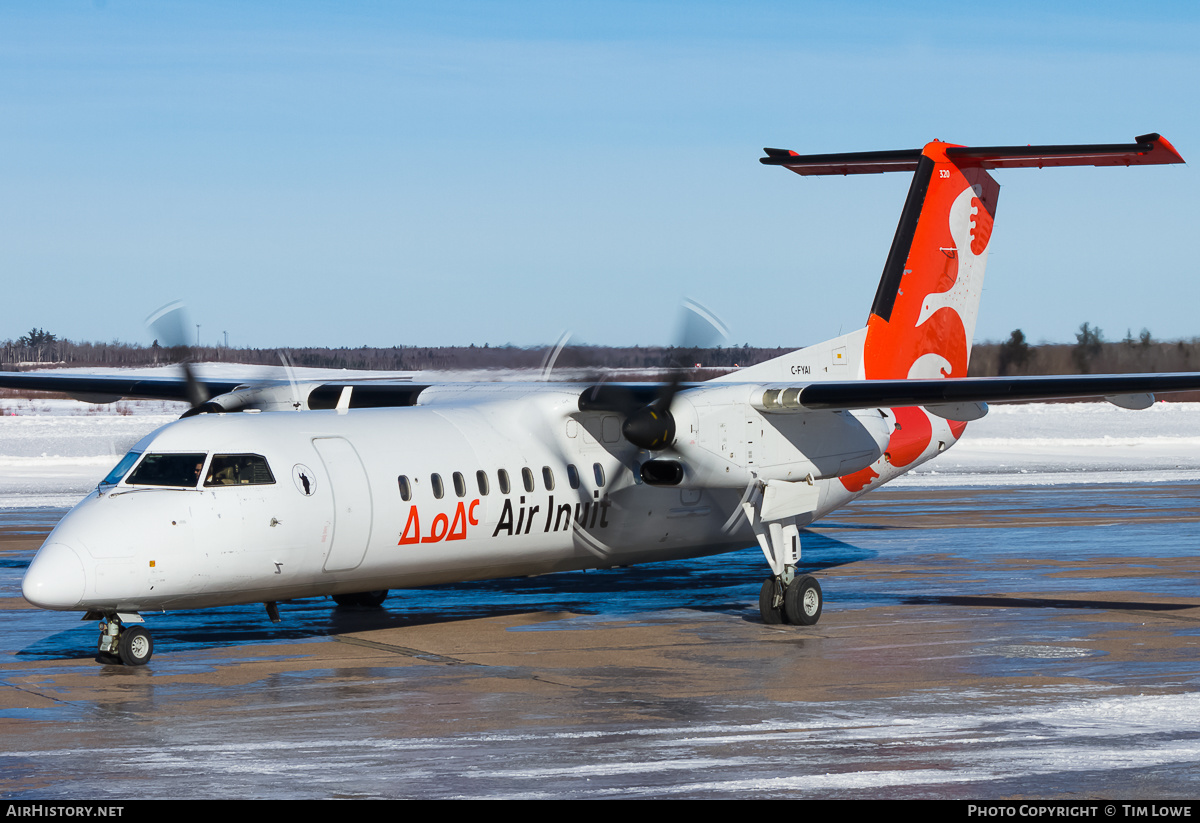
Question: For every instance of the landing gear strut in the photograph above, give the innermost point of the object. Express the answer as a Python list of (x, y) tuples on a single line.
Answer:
[(131, 645)]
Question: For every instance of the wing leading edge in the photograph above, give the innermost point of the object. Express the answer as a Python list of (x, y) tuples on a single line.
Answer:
[(107, 389), (226, 395), (871, 394)]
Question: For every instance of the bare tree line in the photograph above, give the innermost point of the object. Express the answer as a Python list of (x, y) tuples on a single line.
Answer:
[(49, 350), (1089, 354)]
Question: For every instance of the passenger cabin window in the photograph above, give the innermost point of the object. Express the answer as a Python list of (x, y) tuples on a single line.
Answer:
[(460, 485), (548, 478), (527, 478), (238, 470), (435, 480), (481, 480), (572, 475), (168, 470), (405, 488), (598, 470), (505, 486)]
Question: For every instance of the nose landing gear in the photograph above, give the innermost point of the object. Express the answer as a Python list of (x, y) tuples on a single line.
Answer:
[(131, 645)]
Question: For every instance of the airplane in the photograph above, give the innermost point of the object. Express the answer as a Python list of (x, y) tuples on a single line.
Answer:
[(277, 491)]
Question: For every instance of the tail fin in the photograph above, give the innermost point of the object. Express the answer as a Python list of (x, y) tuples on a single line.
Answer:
[(923, 319)]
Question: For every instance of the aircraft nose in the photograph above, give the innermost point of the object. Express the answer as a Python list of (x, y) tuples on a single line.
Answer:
[(55, 579)]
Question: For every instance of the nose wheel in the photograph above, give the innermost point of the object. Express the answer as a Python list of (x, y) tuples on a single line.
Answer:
[(131, 645)]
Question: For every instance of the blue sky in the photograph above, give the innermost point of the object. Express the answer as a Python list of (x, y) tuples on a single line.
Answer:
[(319, 173)]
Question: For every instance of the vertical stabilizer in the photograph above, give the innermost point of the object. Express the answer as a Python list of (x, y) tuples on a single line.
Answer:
[(923, 318)]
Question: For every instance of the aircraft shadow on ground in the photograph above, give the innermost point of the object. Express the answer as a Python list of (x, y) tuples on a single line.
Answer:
[(1043, 603), (726, 583)]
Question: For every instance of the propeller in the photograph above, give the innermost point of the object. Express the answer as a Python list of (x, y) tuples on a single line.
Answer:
[(649, 423), (552, 356), (167, 324), (290, 372)]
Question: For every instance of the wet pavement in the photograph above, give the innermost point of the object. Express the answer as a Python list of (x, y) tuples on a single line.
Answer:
[(1033, 642)]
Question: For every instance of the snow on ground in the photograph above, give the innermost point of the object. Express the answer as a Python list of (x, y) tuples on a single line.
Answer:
[(1051, 443), (53, 451)]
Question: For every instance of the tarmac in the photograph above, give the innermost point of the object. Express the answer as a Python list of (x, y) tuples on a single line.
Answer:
[(988, 643)]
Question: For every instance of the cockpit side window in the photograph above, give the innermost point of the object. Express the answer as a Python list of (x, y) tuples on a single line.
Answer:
[(168, 470), (239, 470), (119, 470)]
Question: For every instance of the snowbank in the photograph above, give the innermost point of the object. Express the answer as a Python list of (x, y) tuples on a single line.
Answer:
[(53, 451)]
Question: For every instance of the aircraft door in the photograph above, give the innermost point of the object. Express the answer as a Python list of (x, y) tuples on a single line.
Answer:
[(351, 503)]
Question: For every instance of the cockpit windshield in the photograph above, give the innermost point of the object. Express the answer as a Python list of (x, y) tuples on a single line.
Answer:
[(239, 470), (114, 476), (168, 470)]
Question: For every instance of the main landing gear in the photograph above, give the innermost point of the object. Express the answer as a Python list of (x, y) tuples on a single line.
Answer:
[(131, 645), (775, 509), (798, 603)]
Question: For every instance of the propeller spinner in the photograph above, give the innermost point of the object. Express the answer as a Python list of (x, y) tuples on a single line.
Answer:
[(649, 423)]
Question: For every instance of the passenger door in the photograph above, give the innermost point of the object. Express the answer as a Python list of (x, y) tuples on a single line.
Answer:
[(351, 503)]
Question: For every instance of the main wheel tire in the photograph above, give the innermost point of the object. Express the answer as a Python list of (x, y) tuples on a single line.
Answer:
[(803, 600), (772, 615), (368, 599), (135, 646), (373, 599)]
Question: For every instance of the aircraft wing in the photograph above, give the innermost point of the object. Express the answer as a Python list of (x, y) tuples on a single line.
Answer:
[(775, 397), (871, 394), (97, 388), (369, 391)]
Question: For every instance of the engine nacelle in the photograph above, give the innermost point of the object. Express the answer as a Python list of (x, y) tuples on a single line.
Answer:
[(722, 440), (310, 395)]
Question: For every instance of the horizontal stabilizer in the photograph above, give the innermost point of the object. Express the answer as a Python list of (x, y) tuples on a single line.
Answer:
[(861, 162), (1147, 150)]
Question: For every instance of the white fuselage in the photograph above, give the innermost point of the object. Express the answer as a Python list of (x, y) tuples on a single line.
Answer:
[(334, 520)]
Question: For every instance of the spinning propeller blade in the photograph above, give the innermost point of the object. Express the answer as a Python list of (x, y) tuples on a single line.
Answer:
[(167, 324), (649, 423)]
